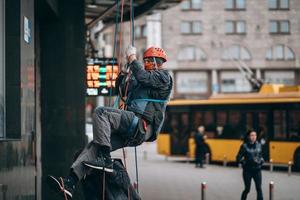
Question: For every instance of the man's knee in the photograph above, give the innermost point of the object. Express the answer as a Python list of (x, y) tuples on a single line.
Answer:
[(100, 110)]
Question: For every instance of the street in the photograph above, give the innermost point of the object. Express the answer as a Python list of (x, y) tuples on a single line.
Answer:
[(163, 179)]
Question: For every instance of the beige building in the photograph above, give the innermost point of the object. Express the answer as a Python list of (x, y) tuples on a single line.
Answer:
[(207, 41)]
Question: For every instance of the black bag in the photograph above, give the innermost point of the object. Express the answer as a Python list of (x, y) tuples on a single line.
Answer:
[(117, 184)]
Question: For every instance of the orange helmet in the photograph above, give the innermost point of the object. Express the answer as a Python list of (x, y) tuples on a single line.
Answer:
[(155, 52)]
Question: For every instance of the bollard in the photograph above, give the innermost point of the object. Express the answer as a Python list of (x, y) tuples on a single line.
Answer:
[(271, 165), (290, 168), (145, 154), (207, 158), (4, 190), (225, 161), (203, 190), (271, 190)]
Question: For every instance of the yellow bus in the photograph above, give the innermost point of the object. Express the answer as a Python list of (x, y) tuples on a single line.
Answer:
[(274, 113)]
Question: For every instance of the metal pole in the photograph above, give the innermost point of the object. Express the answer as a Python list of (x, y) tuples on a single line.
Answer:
[(271, 190), (271, 165), (207, 158), (225, 161), (290, 168), (203, 190)]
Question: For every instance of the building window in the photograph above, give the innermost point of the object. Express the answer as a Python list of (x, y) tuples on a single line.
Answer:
[(107, 37), (191, 5), (2, 75), (280, 52), (232, 81), (191, 53), (144, 31), (235, 4), (191, 82), (235, 27), (140, 31), (192, 27), (279, 27), (137, 32), (280, 77), (236, 52), (279, 4)]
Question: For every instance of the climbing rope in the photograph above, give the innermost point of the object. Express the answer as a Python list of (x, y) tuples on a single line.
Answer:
[(103, 185), (119, 57), (63, 188)]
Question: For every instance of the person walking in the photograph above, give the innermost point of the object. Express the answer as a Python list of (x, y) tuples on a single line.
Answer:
[(250, 155), (200, 146)]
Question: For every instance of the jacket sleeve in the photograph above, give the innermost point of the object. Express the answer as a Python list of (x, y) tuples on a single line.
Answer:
[(262, 160), (154, 78), (240, 155), (119, 84)]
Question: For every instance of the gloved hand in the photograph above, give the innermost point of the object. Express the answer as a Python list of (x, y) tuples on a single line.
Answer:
[(130, 50), (130, 53)]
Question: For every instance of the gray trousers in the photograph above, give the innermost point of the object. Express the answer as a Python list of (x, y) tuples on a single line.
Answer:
[(110, 128)]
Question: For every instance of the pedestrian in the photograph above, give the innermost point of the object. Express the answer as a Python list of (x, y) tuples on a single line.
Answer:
[(250, 155), (200, 146), (149, 86)]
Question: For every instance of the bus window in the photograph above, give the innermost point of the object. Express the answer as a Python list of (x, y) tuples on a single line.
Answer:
[(210, 125), (221, 122), (166, 128), (197, 120), (294, 125), (233, 129), (279, 125), (180, 133), (262, 124), (249, 120)]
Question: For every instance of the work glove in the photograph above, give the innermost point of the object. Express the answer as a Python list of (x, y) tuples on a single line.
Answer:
[(130, 50)]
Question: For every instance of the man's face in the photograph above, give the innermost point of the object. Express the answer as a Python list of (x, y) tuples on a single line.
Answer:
[(148, 64)]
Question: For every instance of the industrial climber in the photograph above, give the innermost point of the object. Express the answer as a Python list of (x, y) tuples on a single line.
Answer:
[(147, 88)]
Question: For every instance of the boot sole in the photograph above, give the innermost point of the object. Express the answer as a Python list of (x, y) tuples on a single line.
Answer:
[(99, 168), (56, 186)]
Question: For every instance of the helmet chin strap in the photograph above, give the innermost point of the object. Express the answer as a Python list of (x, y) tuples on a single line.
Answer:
[(155, 64)]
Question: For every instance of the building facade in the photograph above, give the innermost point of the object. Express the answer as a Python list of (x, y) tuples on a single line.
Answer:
[(207, 41)]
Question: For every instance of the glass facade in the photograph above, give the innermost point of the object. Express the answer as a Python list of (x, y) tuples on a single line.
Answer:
[(235, 4), (236, 52), (2, 72), (235, 27), (279, 27), (191, 27), (233, 81), (187, 54), (191, 5), (280, 52), (278, 4), (280, 77), (185, 27)]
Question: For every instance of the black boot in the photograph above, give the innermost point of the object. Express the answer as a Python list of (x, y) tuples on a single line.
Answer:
[(103, 161), (63, 186)]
